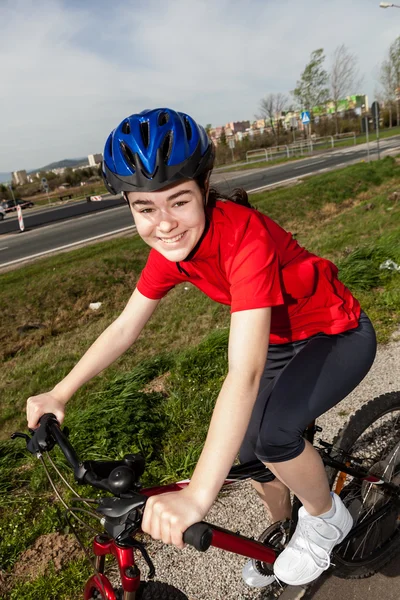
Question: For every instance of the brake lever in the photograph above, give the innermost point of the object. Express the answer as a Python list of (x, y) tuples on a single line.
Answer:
[(41, 440), (17, 434)]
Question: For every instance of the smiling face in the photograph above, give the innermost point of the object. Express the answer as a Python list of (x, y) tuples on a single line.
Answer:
[(170, 220)]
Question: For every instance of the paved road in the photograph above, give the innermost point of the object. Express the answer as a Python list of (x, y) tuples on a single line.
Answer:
[(70, 231), (63, 235), (384, 585)]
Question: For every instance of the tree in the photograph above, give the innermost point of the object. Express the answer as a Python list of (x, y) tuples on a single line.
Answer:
[(394, 57), (312, 88), (208, 129), (3, 192), (222, 139), (272, 107), (344, 77), (388, 85)]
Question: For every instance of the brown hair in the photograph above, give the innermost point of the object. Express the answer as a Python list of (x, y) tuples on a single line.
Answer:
[(238, 195)]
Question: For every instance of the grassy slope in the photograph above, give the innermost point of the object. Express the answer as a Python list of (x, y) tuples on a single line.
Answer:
[(346, 216)]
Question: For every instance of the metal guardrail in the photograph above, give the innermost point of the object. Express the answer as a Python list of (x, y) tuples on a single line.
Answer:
[(304, 146), (341, 136), (257, 152)]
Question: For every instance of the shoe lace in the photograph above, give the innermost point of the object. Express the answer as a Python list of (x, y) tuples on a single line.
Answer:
[(305, 527)]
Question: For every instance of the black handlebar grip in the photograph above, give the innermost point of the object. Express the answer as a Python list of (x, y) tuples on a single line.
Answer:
[(199, 535)]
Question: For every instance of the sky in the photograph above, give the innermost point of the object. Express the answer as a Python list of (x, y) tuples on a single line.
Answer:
[(72, 70)]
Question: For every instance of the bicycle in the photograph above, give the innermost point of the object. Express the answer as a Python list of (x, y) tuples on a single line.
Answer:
[(363, 465)]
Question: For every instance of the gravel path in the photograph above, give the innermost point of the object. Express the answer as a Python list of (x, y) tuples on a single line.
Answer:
[(216, 575)]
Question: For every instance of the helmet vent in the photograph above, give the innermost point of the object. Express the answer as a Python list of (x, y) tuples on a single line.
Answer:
[(147, 175), (188, 128), (144, 130), (167, 146), (163, 118), (128, 155), (126, 127), (110, 146)]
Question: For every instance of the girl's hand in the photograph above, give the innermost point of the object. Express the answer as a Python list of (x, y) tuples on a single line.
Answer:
[(167, 516), (37, 406)]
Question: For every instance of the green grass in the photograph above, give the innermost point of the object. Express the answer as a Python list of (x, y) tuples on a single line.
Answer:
[(66, 584), (346, 216)]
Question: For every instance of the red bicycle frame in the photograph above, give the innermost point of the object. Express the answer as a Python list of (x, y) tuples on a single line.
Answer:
[(129, 572)]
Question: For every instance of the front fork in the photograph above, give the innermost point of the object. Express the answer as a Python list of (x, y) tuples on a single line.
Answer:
[(129, 572)]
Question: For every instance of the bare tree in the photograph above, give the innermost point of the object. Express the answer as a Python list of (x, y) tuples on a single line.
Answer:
[(387, 79), (394, 57), (344, 77), (271, 108)]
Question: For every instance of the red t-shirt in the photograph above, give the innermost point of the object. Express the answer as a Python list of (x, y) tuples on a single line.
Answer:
[(246, 260)]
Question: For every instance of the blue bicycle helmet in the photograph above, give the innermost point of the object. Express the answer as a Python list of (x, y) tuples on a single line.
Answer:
[(153, 149)]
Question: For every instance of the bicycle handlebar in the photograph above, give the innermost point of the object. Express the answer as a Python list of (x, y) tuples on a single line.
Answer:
[(111, 476), (116, 477), (199, 536)]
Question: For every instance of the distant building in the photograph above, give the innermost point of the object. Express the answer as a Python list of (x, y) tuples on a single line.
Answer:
[(259, 124), (236, 126), (95, 159), (215, 133), (80, 168), (358, 103), (19, 177)]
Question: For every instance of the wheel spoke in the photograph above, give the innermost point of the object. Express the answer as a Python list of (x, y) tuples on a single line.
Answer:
[(377, 448)]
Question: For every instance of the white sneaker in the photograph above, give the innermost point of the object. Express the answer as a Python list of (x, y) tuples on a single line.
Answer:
[(307, 555), (255, 579)]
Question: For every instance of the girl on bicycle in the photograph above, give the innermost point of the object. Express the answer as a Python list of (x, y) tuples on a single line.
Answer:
[(298, 343)]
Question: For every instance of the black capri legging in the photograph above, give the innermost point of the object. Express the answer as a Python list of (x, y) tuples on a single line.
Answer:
[(301, 381)]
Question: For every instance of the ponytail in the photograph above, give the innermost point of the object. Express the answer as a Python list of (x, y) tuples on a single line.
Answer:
[(239, 195)]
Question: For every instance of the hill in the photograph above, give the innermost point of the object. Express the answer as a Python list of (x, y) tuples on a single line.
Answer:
[(67, 162)]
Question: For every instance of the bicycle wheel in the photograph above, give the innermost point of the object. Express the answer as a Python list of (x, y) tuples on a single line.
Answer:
[(150, 590), (99, 587), (372, 436), (157, 590)]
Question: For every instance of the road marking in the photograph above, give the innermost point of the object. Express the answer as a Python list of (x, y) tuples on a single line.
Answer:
[(5, 248), (265, 187), (97, 237), (314, 163)]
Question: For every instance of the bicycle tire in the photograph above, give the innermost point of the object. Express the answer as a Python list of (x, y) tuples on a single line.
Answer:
[(158, 590), (149, 590), (346, 440)]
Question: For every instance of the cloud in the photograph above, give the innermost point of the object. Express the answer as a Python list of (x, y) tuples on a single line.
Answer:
[(71, 71)]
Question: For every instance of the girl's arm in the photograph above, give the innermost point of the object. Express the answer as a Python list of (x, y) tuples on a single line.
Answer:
[(248, 347), (167, 516), (113, 342)]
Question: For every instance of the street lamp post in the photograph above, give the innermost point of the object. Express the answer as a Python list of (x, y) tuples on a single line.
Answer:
[(388, 5)]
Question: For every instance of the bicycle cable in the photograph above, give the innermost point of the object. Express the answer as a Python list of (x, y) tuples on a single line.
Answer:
[(69, 511), (61, 476), (61, 499)]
